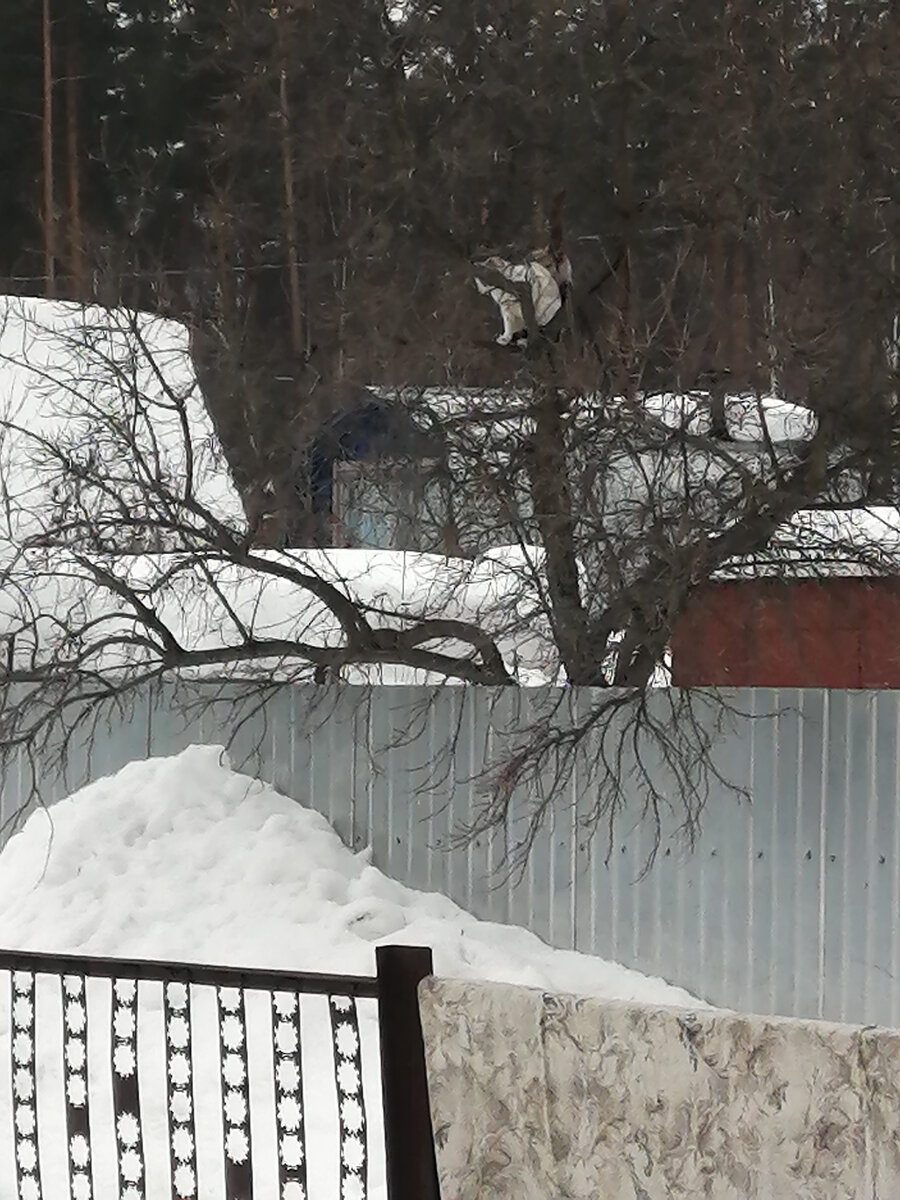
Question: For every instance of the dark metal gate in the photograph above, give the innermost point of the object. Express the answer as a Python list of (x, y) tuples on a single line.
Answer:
[(409, 1148)]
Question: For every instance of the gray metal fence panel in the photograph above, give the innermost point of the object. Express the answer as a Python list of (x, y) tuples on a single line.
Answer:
[(789, 903)]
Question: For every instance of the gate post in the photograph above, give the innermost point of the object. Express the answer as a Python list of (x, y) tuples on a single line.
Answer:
[(408, 1136)]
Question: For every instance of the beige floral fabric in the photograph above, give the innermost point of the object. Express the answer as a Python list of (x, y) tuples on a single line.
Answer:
[(545, 1097)]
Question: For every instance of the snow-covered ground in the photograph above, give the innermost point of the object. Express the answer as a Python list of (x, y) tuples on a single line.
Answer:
[(182, 858)]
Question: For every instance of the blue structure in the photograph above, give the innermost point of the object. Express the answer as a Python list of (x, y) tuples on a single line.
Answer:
[(371, 430)]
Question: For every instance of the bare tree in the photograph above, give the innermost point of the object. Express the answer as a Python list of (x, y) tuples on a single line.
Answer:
[(585, 522), (729, 220)]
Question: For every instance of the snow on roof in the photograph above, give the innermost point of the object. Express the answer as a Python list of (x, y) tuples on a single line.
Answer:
[(499, 593), (749, 418), (67, 373), (181, 858), (820, 543)]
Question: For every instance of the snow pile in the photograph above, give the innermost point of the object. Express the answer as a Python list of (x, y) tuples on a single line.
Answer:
[(182, 858)]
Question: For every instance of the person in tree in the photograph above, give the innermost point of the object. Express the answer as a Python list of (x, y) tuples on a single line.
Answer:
[(547, 274)]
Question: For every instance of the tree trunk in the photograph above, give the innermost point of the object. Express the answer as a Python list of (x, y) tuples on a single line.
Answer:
[(47, 152), (290, 204), (224, 266), (76, 237), (719, 318), (551, 497), (627, 337)]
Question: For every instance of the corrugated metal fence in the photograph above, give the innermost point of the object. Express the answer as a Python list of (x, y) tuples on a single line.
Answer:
[(789, 903)]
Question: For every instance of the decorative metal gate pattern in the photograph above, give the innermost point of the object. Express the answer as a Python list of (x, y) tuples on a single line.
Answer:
[(288, 1099), (126, 1094), (76, 1085), (119, 985), (24, 1089), (182, 1144), (348, 1073)]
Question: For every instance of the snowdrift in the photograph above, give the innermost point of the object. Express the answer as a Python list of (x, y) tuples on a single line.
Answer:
[(182, 858)]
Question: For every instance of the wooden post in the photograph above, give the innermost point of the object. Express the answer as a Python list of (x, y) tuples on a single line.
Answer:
[(408, 1136)]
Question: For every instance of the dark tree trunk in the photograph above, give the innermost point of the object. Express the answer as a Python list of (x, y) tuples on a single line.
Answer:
[(49, 214)]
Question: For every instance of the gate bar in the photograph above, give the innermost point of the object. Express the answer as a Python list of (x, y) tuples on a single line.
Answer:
[(408, 1135)]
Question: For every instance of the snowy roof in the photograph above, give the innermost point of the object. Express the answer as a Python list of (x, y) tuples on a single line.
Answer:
[(70, 375), (822, 543), (499, 592), (749, 418)]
